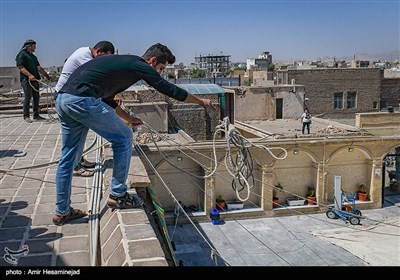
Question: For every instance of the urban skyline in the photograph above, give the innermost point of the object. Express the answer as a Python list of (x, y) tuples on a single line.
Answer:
[(289, 30)]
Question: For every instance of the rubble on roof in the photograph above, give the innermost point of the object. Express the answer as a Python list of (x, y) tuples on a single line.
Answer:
[(331, 129), (327, 131), (146, 137)]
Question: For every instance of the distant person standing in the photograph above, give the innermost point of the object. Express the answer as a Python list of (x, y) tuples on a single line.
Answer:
[(306, 121), (29, 68)]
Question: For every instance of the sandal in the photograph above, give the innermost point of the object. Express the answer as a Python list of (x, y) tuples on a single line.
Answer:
[(82, 172), (124, 202), (87, 164), (60, 220)]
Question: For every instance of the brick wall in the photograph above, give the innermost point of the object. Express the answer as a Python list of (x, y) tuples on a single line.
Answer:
[(390, 93), (321, 84), (196, 121)]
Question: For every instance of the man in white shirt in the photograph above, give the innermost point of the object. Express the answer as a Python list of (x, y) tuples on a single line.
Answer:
[(79, 57), (306, 121)]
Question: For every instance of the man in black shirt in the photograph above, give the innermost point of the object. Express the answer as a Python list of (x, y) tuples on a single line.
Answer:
[(30, 68), (87, 101)]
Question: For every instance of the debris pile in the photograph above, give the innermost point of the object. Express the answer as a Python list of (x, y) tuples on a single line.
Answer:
[(146, 137), (333, 130)]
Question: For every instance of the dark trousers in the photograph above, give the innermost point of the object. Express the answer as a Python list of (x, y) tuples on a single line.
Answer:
[(31, 91), (306, 124)]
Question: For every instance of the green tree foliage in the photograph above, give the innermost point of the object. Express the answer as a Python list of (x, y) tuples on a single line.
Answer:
[(198, 73), (271, 67)]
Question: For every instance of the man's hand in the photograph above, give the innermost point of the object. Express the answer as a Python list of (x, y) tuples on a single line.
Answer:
[(134, 121), (206, 102), (119, 101)]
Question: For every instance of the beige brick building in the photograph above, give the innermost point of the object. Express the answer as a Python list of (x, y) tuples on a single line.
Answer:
[(342, 92)]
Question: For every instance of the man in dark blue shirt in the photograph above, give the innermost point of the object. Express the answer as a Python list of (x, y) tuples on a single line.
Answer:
[(87, 101), (30, 71)]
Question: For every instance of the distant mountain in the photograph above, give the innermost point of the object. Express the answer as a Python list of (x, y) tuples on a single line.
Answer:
[(386, 56)]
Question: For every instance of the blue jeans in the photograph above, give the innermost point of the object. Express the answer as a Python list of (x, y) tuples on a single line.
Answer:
[(77, 115), (306, 125)]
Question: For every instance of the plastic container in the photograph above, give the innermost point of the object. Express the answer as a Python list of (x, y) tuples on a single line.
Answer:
[(215, 217)]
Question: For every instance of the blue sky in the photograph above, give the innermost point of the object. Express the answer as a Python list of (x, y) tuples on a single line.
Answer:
[(296, 29)]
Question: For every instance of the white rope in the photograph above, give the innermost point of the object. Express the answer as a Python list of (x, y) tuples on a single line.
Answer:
[(181, 209), (49, 98)]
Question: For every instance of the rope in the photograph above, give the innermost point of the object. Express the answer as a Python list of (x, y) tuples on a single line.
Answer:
[(175, 199), (240, 166), (37, 166), (49, 100)]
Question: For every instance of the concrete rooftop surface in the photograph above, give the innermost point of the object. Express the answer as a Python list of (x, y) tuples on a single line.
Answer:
[(300, 240), (28, 196), (29, 154), (291, 128)]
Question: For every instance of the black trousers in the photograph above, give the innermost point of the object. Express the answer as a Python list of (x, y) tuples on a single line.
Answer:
[(31, 91), (306, 124)]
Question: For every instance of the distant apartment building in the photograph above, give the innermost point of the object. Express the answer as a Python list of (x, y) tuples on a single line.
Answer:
[(359, 63), (176, 71), (260, 63), (215, 65), (257, 70)]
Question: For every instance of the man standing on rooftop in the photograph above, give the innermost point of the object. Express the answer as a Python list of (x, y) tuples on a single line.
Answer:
[(79, 57), (86, 101), (29, 68)]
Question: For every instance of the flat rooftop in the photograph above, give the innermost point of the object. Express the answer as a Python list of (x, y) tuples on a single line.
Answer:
[(291, 128)]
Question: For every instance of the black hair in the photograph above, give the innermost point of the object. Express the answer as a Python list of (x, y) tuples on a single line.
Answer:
[(161, 52), (105, 46)]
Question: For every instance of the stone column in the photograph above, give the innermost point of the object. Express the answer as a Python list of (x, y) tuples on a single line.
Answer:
[(375, 190), (266, 193), (209, 197), (320, 187)]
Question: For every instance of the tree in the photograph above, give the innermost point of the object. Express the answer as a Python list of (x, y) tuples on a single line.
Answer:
[(271, 67), (198, 73)]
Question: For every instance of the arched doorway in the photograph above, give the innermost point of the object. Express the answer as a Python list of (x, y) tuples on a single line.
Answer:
[(391, 174)]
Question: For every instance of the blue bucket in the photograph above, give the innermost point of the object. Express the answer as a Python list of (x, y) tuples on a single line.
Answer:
[(215, 217)]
